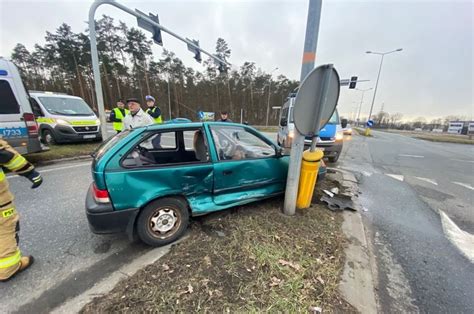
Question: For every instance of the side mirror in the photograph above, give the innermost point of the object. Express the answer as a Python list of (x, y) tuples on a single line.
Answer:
[(343, 123)]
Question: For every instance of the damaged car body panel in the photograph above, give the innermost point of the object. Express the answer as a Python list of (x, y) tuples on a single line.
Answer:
[(196, 167)]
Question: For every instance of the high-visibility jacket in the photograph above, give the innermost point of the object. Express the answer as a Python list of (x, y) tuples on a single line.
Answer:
[(157, 119), (118, 126), (10, 254)]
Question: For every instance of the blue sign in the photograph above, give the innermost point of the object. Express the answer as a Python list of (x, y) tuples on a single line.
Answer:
[(200, 115), (370, 123)]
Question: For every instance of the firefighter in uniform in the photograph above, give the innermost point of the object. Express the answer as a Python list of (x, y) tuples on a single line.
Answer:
[(117, 115), (11, 260), (155, 113)]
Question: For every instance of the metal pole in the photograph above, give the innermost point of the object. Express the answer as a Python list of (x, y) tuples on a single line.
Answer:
[(169, 97), (361, 101), (96, 71), (297, 146), (376, 85), (268, 102), (241, 115)]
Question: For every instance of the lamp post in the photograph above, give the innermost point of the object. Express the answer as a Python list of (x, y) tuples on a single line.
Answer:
[(378, 76), (361, 100), (269, 89)]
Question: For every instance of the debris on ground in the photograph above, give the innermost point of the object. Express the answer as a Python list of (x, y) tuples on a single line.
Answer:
[(266, 262)]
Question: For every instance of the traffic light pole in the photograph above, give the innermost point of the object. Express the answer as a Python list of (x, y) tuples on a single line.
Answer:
[(297, 146), (375, 91), (95, 55)]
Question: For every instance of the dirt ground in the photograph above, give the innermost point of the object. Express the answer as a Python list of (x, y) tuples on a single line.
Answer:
[(248, 259)]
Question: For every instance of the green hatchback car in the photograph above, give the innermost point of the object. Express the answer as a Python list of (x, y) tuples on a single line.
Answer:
[(149, 181)]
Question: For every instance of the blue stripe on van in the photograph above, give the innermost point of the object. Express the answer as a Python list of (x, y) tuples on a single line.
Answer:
[(13, 132), (3, 72)]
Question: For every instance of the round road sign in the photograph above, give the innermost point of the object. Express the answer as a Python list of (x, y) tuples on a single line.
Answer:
[(317, 96), (370, 123)]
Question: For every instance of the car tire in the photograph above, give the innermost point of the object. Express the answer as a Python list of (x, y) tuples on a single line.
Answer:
[(333, 159), (47, 138), (157, 215)]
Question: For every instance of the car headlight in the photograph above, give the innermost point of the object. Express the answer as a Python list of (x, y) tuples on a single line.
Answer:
[(97, 121), (339, 136), (291, 134), (62, 122)]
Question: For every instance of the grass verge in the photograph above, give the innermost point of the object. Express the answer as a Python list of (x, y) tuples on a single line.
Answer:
[(361, 131), (62, 151), (436, 137), (249, 259)]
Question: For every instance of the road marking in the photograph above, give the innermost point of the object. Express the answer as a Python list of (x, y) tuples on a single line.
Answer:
[(464, 185), (54, 169), (463, 240), (427, 180), (462, 160), (413, 156), (395, 176)]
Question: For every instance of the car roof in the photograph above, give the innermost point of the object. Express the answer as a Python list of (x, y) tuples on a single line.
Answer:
[(52, 94), (190, 125)]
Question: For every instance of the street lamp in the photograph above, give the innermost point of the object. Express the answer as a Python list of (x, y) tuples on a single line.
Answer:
[(361, 100), (269, 89), (378, 76)]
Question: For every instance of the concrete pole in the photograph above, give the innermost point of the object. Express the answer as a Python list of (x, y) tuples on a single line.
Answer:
[(297, 146), (361, 101), (169, 97)]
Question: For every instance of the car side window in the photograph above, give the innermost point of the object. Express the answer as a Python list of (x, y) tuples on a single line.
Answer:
[(168, 148), (236, 143), (36, 108)]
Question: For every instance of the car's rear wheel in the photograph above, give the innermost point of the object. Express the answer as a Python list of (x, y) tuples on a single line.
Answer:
[(163, 221), (333, 159)]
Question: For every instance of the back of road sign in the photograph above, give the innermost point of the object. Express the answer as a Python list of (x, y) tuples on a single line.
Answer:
[(317, 96)]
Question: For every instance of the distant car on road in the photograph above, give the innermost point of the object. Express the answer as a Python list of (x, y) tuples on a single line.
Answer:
[(347, 130), (151, 188)]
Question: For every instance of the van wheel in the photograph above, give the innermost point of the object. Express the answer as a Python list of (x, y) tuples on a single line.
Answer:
[(48, 138), (163, 221)]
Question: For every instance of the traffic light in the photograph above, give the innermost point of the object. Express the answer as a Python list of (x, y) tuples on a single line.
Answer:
[(222, 67), (156, 31), (353, 82), (196, 51)]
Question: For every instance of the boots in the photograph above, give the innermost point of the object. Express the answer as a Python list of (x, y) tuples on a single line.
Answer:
[(25, 262)]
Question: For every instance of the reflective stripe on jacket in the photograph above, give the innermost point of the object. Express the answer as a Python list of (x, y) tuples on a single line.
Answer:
[(118, 126)]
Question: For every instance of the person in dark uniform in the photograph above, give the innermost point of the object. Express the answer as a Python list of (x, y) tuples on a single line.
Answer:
[(224, 117)]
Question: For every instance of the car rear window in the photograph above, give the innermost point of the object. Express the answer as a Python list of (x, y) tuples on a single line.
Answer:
[(8, 103), (108, 144)]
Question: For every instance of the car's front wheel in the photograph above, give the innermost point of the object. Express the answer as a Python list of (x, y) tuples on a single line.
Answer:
[(163, 221)]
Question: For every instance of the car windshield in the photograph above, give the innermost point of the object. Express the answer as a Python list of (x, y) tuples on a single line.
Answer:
[(66, 106)]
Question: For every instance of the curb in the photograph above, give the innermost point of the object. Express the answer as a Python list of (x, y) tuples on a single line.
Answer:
[(61, 160), (357, 281)]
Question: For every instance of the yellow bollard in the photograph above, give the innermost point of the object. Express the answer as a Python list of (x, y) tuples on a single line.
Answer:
[(367, 132), (309, 174)]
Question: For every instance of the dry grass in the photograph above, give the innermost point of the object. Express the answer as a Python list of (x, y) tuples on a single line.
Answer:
[(63, 151), (249, 259), (435, 137)]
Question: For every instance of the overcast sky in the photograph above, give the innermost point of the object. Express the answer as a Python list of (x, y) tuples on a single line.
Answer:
[(431, 77)]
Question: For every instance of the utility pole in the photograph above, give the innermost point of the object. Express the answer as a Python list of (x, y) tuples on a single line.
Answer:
[(361, 100), (169, 96), (269, 93), (297, 146), (378, 76)]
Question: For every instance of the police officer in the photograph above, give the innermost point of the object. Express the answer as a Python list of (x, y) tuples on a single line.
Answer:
[(153, 110), (117, 115), (11, 260)]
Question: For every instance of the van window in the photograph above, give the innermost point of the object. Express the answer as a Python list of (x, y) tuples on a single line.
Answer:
[(36, 108), (334, 118), (66, 106), (8, 103)]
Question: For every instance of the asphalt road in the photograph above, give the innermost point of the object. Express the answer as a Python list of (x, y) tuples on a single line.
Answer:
[(404, 183)]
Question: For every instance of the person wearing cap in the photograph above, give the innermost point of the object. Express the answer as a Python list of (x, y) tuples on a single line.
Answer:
[(224, 117), (137, 117), (117, 115), (153, 110)]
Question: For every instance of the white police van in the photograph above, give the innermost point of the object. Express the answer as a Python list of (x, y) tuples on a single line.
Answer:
[(64, 118), (17, 121)]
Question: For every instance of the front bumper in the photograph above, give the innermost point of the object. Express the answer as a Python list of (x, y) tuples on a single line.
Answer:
[(331, 149), (104, 219), (68, 134)]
